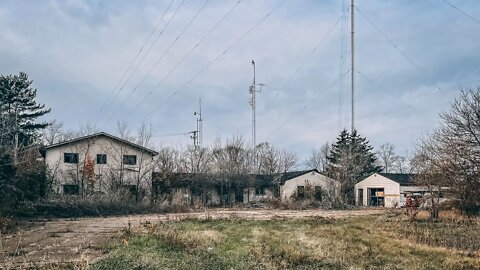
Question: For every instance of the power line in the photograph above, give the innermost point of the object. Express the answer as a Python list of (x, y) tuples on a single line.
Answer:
[(309, 56), (190, 52), (462, 12), (159, 60), (134, 59), (305, 107), (399, 50), (150, 48), (380, 87), (205, 68)]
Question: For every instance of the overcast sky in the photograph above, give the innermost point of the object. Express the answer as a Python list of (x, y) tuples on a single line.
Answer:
[(412, 59)]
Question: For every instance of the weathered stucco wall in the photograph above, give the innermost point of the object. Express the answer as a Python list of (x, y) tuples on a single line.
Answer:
[(391, 190), (105, 174), (329, 186)]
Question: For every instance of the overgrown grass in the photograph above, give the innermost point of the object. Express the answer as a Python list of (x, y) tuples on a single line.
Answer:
[(362, 242)]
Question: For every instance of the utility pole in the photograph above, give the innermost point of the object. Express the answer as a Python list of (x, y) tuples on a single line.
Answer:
[(194, 137), (15, 147), (199, 122), (352, 20)]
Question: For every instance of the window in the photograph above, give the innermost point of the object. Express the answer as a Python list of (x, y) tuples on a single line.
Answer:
[(318, 193), (131, 189), (300, 191), (70, 157), (260, 191), (129, 159), (376, 197), (71, 189), (101, 158)]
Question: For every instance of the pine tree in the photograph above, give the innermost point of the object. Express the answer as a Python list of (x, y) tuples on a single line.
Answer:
[(351, 159), (19, 111)]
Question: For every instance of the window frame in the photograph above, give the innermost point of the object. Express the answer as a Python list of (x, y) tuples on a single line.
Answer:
[(74, 191), (127, 157), (302, 193), (260, 191), (73, 158), (102, 158), (318, 193)]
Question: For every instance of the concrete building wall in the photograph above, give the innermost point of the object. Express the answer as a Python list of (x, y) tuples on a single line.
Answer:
[(105, 174), (250, 195), (391, 190), (328, 185)]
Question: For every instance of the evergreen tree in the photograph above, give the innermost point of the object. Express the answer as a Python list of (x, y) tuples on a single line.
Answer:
[(351, 159), (19, 111)]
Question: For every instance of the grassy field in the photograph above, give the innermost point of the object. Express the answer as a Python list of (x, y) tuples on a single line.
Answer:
[(384, 242)]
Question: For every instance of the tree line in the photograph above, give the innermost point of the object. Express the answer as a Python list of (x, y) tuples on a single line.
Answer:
[(448, 157)]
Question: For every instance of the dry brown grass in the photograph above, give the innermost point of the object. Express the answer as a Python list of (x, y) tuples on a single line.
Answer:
[(311, 243)]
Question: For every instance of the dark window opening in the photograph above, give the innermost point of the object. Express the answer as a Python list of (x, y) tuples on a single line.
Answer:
[(71, 189), (101, 158), (260, 191), (360, 197), (301, 191), (129, 159), (70, 157), (376, 197), (318, 193), (132, 189)]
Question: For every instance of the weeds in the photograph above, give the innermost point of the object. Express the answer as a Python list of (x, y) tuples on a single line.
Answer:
[(313, 243)]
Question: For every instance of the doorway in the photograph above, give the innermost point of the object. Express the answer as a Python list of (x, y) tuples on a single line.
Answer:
[(376, 197)]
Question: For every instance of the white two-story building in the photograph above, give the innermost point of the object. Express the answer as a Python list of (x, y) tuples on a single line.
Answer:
[(99, 163)]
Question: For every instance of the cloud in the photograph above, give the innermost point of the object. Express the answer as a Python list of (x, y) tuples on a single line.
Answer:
[(77, 51)]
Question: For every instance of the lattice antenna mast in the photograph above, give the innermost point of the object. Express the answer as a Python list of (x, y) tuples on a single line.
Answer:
[(252, 101), (352, 44), (199, 123)]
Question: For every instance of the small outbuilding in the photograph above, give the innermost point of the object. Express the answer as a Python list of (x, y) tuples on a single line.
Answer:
[(387, 189)]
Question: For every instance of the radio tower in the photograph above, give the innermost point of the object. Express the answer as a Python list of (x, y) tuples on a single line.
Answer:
[(352, 44), (252, 101), (199, 123)]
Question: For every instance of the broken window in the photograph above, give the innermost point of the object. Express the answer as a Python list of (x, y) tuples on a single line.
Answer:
[(129, 159), (318, 193), (376, 197), (132, 189), (70, 157), (301, 191), (101, 158), (260, 191), (71, 189)]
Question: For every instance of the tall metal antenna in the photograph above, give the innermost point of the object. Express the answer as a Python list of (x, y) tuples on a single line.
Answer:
[(252, 102), (199, 122), (352, 19)]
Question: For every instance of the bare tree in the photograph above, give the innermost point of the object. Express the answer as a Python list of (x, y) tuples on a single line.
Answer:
[(386, 156), (231, 158), (400, 164), (53, 133), (288, 161), (318, 159), (124, 131), (452, 153), (146, 164), (167, 160), (195, 160), (87, 129)]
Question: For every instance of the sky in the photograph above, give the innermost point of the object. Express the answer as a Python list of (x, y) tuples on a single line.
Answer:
[(101, 62)]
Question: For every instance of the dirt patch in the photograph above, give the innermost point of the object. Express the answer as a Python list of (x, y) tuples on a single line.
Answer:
[(79, 241)]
